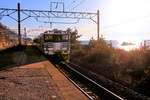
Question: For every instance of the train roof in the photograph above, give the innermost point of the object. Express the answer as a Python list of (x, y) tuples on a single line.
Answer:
[(55, 32)]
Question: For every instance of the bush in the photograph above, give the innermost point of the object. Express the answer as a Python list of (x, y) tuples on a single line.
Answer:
[(102, 58)]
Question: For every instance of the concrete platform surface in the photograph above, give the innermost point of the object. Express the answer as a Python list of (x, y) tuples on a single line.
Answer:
[(37, 81)]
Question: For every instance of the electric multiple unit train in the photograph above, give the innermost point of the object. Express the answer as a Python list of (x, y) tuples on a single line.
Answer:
[(54, 42)]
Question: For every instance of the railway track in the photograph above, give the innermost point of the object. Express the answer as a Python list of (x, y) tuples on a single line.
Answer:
[(81, 87), (90, 88)]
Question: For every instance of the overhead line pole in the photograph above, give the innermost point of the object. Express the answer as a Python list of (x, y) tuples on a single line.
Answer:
[(98, 25), (25, 36), (19, 25)]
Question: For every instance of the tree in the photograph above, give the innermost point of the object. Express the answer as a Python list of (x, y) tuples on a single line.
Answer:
[(92, 43), (73, 37)]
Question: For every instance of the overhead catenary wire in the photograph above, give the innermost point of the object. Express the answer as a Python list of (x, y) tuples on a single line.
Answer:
[(49, 14), (73, 1), (81, 2)]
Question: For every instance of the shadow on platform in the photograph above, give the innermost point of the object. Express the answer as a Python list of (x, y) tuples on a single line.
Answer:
[(19, 55)]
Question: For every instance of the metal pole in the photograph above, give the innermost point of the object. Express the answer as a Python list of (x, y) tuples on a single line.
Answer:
[(25, 36), (50, 6), (98, 25), (63, 7), (51, 25), (19, 25)]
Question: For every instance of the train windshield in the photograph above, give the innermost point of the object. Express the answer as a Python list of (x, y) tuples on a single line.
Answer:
[(56, 38)]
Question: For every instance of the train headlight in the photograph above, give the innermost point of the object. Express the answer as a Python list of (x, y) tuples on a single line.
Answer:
[(50, 48), (50, 52), (64, 48)]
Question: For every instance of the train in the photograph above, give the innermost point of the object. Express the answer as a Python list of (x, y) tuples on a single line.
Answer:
[(54, 42)]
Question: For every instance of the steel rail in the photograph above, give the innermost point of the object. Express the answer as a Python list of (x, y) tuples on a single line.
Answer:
[(113, 94), (89, 97)]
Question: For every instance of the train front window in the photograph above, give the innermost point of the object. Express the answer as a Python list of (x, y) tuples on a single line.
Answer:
[(57, 38), (53, 38), (65, 38), (48, 38)]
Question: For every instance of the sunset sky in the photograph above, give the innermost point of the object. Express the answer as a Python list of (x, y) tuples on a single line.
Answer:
[(124, 20)]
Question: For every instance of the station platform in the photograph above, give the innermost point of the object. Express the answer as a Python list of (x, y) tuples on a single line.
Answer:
[(37, 81)]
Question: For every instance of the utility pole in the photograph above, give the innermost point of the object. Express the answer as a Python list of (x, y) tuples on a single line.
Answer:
[(25, 36), (19, 25), (98, 25)]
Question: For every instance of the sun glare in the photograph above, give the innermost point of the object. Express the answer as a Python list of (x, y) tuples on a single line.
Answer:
[(124, 9), (130, 18)]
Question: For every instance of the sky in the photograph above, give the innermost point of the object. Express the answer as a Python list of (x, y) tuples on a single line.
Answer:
[(124, 20)]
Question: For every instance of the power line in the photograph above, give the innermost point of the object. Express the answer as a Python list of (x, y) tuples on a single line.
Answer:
[(73, 1), (81, 2)]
